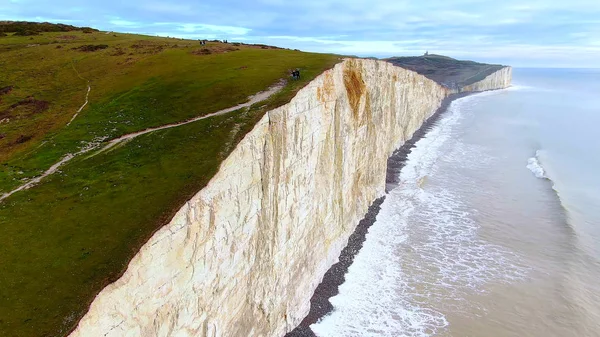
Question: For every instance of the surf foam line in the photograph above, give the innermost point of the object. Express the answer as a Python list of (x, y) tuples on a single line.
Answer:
[(536, 165), (380, 296), (335, 276)]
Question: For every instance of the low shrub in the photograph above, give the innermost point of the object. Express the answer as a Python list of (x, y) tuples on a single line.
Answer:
[(91, 47), (26, 32)]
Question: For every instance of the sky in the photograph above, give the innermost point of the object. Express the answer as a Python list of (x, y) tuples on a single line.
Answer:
[(522, 33)]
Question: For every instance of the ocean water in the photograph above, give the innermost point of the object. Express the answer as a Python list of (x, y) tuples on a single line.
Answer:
[(494, 229)]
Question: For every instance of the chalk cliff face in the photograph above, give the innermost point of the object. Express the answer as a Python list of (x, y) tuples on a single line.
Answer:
[(244, 255), (499, 79)]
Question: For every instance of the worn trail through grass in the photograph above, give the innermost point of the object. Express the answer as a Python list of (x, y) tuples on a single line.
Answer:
[(259, 97), (73, 216), (89, 88), (87, 95)]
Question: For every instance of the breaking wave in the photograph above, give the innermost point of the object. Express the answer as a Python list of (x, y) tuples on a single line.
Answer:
[(424, 248), (535, 166)]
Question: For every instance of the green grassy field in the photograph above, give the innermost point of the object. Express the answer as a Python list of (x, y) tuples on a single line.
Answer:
[(66, 238)]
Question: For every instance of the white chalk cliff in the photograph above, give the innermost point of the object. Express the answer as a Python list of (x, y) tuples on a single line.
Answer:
[(497, 80), (245, 254)]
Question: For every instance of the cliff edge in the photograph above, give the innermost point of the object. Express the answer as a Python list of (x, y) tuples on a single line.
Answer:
[(245, 254), (449, 72)]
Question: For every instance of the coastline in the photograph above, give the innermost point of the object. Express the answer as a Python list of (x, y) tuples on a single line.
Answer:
[(335, 276)]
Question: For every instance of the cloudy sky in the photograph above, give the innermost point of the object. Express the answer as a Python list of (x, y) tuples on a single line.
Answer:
[(555, 33)]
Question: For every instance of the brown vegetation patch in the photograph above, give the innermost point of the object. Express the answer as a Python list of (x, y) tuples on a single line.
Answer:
[(26, 107), (147, 47), (355, 87), (203, 51), (22, 139), (37, 105), (220, 48), (6, 90), (129, 60), (118, 52), (91, 47)]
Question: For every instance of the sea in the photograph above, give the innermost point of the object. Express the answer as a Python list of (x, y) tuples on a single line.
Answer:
[(494, 227)]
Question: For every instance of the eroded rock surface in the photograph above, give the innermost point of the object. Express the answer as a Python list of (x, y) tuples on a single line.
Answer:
[(244, 255)]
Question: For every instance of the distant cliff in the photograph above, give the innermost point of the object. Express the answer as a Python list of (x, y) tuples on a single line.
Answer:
[(498, 79), (451, 73), (245, 254)]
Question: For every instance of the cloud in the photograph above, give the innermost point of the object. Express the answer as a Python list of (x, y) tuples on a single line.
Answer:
[(124, 23), (165, 7), (199, 27), (521, 32)]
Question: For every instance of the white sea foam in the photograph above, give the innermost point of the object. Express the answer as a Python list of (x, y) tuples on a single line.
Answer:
[(520, 87), (423, 249), (535, 166)]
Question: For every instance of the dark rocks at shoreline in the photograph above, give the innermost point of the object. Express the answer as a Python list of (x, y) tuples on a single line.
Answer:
[(335, 276)]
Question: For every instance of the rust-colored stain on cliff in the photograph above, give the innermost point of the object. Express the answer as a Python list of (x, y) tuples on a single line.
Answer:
[(355, 87), (326, 92)]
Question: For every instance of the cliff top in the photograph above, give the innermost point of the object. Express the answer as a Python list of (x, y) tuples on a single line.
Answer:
[(65, 92), (445, 70)]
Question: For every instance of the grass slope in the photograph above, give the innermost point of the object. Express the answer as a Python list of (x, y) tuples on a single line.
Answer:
[(445, 70), (68, 237)]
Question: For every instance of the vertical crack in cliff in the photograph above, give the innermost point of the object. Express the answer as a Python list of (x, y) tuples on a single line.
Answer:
[(338, 158)]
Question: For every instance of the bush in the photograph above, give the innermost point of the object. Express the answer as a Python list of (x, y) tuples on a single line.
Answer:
[(14, 26), (26, 32), (91, 47), (2, 34)]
